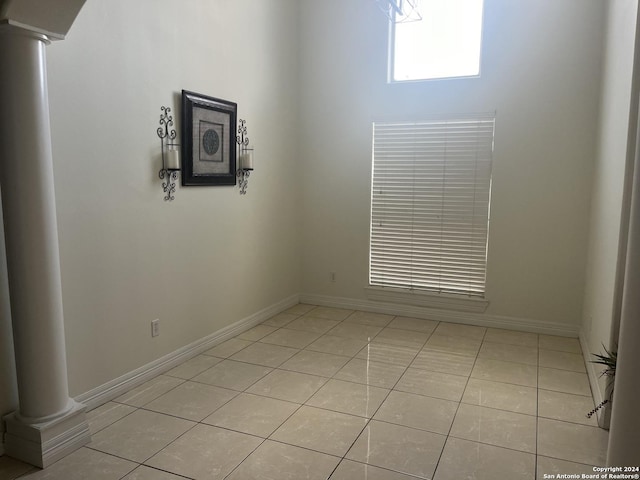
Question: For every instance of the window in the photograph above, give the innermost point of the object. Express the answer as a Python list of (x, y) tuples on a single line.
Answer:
[(444, 43), (430, 198)]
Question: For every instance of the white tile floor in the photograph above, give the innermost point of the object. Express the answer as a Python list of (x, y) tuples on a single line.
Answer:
[(318, 393)]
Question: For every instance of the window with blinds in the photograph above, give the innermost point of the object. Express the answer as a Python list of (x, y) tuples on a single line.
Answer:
[(431, 191)]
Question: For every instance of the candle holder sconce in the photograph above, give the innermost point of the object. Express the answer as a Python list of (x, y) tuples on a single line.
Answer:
[(170, 154), (245, 157)]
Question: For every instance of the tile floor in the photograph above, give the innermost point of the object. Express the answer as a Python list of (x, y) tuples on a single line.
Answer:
[(318, 393)]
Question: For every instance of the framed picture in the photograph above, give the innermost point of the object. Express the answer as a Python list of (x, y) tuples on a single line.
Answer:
[(208, 140)]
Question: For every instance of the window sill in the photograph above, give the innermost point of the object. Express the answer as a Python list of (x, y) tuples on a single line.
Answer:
[(426, 299)]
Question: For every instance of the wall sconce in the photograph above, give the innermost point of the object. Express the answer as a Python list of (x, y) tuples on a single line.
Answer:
[(170, 154), (245, 157)]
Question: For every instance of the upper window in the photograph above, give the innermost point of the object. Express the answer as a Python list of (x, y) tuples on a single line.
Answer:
[(435, 39)]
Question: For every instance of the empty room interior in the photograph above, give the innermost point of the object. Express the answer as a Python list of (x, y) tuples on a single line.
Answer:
[(259, 239)]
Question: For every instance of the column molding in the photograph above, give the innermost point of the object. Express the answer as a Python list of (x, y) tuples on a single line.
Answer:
[(48, 424)]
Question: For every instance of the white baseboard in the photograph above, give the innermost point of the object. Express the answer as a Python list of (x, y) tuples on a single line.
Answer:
[(604, 414), (114, 388), (471, 318)]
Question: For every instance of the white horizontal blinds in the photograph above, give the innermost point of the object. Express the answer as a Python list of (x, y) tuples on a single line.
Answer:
[(430, 204)]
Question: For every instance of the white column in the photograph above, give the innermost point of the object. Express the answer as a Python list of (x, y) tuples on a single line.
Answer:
[(624, 433), (48, 424)]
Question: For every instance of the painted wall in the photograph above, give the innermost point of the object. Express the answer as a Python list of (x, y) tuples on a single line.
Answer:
[(209, 258), (541, 62), (602, 289)]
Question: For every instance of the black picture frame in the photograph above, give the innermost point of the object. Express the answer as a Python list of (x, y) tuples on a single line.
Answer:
[(208, 140)]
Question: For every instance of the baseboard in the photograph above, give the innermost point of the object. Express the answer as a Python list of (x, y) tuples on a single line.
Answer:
[(471, 318), (114, 388), (604, 414)]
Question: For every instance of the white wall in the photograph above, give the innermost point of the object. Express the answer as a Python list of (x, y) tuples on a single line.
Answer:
[(209, 258), (540, 72), (602, 289)]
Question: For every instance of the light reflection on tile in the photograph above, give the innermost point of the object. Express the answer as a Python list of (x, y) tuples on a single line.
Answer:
[(418, 411), (379, 374), (347, 397), (444, 362), (320, 430), (398, 448), (507, 372), (393, 354), (349, 470), (451, 344), (415, 324), (495, 427), (433, 384), (509, 353), (465, 459), (396, 336), (277, 461), (504, 396)]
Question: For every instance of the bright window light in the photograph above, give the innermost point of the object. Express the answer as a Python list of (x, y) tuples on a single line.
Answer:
[(444, 44)]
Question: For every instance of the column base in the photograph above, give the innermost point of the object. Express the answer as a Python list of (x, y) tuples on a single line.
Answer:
[(41, 444)]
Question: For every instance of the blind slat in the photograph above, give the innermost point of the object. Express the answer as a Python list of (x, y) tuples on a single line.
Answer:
[(431, 190)]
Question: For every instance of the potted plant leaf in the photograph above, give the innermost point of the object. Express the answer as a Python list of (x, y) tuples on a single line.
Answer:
[(609, 360)]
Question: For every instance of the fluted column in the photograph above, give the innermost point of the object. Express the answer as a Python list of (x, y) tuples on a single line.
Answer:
[(48, 423)]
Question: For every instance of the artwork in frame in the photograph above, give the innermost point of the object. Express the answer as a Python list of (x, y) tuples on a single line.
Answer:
[(208, 140)]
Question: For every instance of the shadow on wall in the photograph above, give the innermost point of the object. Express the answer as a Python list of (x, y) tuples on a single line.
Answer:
[(8, 386)]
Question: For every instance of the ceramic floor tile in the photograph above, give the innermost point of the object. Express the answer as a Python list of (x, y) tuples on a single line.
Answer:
[(561, 344), (252, 414), (277, 461), (320, 430), (444, 362), (509, 353), (280, 320), (228, 348), (84, 464), (495, 427), (562, 360), (312, 324), (459, 330), (506, 372), (290, 338), (148, 391), (265, 354), (385, 353), (105, 415), (140, 435), (565, 407), (471, 460), (564, 381), (205, 452), (572, 442), (233, 375), (291, 386), (257, 332), (402, 449), (11, 468), (300, 309), (510, 337), (553, 466), (407, 338), (189, 369), (330, 313), (315, 363), (348, 397), (349, 470), (337, 345), (449, 344), (369, 318), (414, 324), (191, 401), (503, 396), (148, 473), (355, 330), (378, 374), (417, 411), (432, 384)]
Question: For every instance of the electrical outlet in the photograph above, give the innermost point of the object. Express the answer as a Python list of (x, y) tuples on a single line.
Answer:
[(155, 327), (332, 277)]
